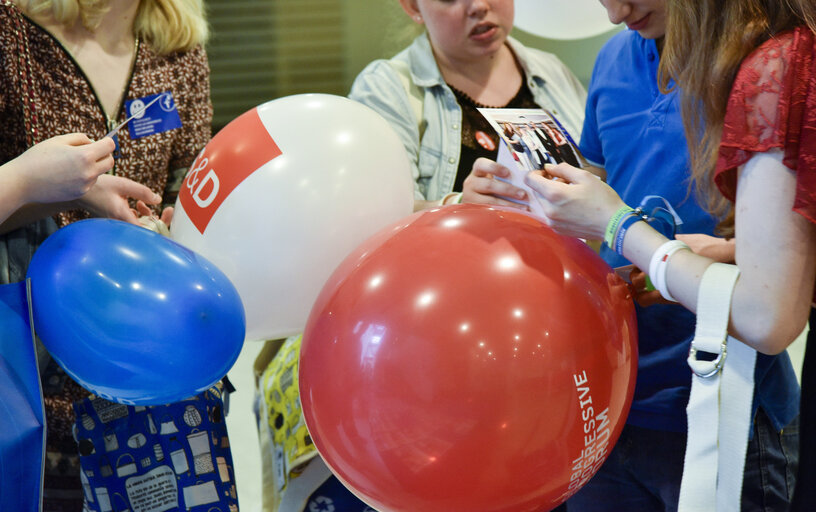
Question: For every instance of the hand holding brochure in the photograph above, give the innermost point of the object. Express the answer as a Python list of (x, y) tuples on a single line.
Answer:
[(530, 138)]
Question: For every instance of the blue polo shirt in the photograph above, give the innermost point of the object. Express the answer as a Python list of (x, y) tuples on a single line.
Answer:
[(636, 134)]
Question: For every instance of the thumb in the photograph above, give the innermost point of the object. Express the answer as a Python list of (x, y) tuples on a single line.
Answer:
[(73, 139), (139, 192), (564, 171)]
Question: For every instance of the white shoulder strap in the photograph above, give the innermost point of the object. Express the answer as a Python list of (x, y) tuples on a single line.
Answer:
[(719, 408)]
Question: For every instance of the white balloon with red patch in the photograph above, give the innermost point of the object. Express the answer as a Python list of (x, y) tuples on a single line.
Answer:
[(283, 193)]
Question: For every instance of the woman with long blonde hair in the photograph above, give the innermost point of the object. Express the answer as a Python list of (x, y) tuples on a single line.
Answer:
[(84, 66)]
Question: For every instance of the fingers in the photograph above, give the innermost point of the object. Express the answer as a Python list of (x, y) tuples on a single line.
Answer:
[(644, 295), (646, 299), (544, 185), (73, 139), (142, 209), (638, 278), (125, 214), (101, 149), (493, 187), (137, 191), (484, 167), (103, 165), (95, 157), (566, 172), (167, 215)]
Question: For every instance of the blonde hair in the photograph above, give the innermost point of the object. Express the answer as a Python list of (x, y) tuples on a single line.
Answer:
[(167, 25), (706, 42)]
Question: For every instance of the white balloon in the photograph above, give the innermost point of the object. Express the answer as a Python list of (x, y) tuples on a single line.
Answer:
[(341, 174), (562, 19)]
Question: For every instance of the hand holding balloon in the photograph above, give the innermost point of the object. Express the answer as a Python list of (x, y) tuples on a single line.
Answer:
[(131, 315), (109, 198)]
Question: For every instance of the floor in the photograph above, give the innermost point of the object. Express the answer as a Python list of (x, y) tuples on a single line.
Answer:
[(243, 432)]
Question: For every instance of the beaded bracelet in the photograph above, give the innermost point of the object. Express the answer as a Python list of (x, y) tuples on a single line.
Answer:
[(660, 263), (614, 222)]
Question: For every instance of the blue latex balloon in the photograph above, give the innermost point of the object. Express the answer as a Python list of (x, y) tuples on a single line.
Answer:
[(133, 316)]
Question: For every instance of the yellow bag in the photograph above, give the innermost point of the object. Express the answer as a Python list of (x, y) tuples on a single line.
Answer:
[(291, 467)]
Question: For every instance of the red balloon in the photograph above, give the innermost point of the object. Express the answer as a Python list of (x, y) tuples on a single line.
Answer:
[(468, 358)]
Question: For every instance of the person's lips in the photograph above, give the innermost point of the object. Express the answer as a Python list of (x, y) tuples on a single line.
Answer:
[(483, 30), (639, 24)]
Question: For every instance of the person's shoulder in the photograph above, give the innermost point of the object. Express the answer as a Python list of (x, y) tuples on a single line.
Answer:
[(381, 78), (528, 53), (624, 51), (191, 57), (390, 68), (539, 62), (781, 42), (770, 60), (378, 69)]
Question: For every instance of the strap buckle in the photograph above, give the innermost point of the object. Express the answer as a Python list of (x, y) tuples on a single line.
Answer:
[(706, 369)]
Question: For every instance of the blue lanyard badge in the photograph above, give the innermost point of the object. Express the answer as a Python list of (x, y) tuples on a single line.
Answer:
[(159, 116)]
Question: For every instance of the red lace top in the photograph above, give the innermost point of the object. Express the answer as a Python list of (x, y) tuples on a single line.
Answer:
[(773, 105)]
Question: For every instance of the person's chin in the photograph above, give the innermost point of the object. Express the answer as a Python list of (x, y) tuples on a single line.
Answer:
[(649, 32)]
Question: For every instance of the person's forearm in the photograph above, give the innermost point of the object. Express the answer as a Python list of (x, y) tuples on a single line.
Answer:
[(684, 271), (29, 213), (15, 209), (774, 251), (11, 194)]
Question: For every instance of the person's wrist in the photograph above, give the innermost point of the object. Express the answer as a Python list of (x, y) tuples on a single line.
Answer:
[(659, 264), (13, 181), (613, 223), (451, 198)]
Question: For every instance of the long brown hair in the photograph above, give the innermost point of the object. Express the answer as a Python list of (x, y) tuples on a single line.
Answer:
[(706, 42)]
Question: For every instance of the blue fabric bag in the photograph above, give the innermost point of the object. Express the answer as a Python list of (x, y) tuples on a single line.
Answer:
[(22, 431), (173, 457)]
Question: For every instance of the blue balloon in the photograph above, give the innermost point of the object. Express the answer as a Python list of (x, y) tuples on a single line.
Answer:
[(133, 316)]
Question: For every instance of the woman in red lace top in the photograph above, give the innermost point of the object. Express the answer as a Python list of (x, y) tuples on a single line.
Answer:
[(747, 71)]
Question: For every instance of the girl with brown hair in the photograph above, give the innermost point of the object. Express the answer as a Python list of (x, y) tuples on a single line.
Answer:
[(747, 73)]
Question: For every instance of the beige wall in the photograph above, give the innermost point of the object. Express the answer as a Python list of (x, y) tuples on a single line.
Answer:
[(257, 50)]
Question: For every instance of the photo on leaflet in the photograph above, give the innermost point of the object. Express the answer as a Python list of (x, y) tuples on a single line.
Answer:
[(534, 137)]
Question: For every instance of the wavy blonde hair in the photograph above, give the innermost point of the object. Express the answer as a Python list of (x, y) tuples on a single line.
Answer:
[(706, 42), (168, 25)]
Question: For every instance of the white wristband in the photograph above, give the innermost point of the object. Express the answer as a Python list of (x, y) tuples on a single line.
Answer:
[(451, 198), (660, 263)]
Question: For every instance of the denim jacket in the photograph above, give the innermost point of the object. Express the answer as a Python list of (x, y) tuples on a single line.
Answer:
[(435, 159)]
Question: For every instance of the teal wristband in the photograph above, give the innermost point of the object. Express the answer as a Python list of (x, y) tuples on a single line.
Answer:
[(614, 222)]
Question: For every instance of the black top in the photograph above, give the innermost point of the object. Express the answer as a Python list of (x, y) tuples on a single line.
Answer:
[(479, 139), (804, 498)]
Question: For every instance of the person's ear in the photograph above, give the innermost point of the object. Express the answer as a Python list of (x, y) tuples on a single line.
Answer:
[(411, 9)]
